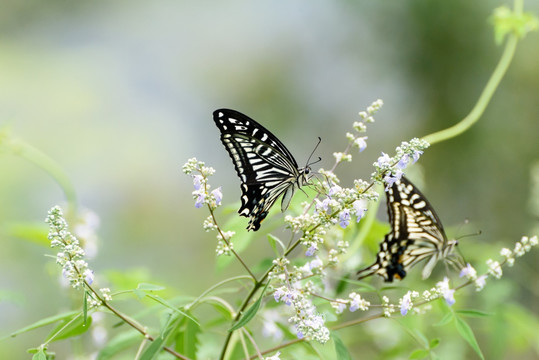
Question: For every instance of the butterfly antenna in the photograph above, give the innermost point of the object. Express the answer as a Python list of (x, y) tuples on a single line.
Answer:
[(319, 158), (477, 233)]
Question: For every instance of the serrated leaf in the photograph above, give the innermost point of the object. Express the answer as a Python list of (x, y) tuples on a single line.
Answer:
[(467, 334), (73, 327), (187, 338), (251, 312), (445, 320), (419, 354), (149, 287), (473, 313), (119, 343), (341, 351), (44, 322)]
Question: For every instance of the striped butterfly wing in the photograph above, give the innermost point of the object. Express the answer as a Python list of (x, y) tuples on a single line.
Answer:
[(264, 165), (416, 234)]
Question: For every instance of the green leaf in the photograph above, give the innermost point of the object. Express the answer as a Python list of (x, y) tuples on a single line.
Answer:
[(139, 293), (421, 337), (273, 241), (473, 313), (85, 306), (171, 307), (40, 355), (44, 322), (434, 343), (251, 312), (119, 343), (150, 287), (36, 233), (187, 338), (466, 332), (340, 349), (73, 327), (419, 354), (159, 341), (446, 319)]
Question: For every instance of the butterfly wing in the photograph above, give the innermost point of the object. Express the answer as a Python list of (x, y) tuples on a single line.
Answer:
[(264, 165), (416, 234)]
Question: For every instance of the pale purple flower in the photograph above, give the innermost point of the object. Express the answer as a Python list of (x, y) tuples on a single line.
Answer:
[(200, 200), (218, 195), (278, 294), (468, 272), (322, 205), (359, 209), (311, 250), (384, 160), (339, 306), (361, 143), (334, 189), (358, 303), (403, 162), (416, 155), (447, 293), (89, 276), (406, 303), (344, 218), (197, 181)]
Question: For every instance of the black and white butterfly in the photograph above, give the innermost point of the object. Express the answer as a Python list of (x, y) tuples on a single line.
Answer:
[(265, 166), (416, 234)]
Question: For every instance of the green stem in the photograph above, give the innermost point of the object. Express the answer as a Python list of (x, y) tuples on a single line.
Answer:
[(51, 167), (483, 100)]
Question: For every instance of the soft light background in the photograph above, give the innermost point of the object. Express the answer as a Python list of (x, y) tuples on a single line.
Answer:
[(121, 94)]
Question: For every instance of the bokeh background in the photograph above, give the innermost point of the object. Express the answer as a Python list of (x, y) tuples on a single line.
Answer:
[(120, 94)]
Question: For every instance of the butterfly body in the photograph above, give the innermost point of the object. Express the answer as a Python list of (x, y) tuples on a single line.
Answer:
[(264, 165), (416, 234)]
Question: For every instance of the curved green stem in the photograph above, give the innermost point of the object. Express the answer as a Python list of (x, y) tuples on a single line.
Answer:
[(51, 167), (483, 100)]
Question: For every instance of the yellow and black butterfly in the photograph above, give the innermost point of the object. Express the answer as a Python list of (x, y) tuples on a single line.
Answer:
[(265, 166), (416, 234)]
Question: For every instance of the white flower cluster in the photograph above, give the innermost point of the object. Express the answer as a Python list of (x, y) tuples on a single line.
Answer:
[(355, 139), (202, 193), (521, 247), (390, 169), (310, 324), (95, 302), (354, 303), (70, 257), (224, 246), (471, 274)]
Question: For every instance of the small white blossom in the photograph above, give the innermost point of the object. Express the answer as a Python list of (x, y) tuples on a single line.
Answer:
[(105, 292), (494, 268), (274, 357), (480, 282), (361, 143)]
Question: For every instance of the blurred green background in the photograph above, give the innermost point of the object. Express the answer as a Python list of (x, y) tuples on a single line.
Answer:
[(121, 94)]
